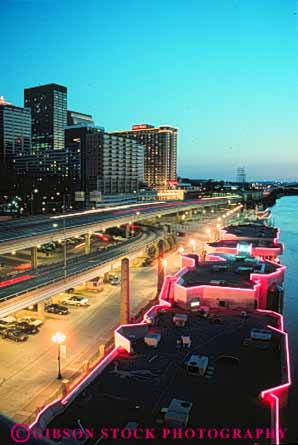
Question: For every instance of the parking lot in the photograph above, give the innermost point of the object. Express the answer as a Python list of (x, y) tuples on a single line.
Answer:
[(85, 328)]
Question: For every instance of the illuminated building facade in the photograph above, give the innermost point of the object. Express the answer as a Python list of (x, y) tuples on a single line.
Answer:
[(15, 132), (76, 118), (160, 156), (48, 105), (113, 164)]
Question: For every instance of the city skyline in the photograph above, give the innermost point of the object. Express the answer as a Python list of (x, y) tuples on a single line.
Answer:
[(223, 73)]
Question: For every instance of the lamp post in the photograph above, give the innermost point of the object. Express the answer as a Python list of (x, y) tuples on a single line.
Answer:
[(31, 200), (58, 339), (181, 250), (64, 251)]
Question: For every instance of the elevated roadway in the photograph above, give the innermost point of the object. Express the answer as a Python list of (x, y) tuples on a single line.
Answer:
[(50, 281), (31, 232)]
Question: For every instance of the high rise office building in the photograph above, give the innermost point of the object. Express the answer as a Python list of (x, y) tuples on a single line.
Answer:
[(15, 133), (109, 164), (241, 175), (76, 140), (48, 105), (160, 156)]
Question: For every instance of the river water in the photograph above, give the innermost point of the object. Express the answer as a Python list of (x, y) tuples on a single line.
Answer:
[(285, 216)]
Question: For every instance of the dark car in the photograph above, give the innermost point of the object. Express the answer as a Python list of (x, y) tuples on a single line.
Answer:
[(147, 262), (70, 291), (14, 334), (56, 309), (26, 327)]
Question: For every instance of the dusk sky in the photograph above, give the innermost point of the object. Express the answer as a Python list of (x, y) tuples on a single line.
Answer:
[(223, 71)]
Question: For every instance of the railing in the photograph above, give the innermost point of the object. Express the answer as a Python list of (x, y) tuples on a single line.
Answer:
[(133, 245)]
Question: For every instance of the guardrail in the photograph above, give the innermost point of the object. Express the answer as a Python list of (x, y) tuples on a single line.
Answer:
[(19, 300), (50, 234)]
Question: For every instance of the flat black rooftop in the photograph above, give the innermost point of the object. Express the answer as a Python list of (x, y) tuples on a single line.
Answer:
[(255, 243), (252, 231), (232, 273), (134, 388)]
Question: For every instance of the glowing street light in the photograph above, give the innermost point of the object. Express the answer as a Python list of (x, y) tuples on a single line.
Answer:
[(58, 339), (164, 265), (181, 250), (193, 244)]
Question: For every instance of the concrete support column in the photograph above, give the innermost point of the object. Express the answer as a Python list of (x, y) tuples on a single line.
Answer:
[(190, 214), (34, 257), (127, 231), (160, 266), (87, 243), (40, 310), (125, 292)]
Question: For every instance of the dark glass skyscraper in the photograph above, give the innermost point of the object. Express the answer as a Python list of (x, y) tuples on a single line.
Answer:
[(48, 105), (15, 133)]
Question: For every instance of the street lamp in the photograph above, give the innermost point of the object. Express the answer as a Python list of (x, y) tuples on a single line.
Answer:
[(193, 244), (58, 339), (181, 250), (164, 265)]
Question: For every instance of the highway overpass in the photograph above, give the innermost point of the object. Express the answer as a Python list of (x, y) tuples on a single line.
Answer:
[(51, 281), (27, 233)]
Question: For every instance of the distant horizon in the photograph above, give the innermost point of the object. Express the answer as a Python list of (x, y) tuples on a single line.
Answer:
[(224, 73)]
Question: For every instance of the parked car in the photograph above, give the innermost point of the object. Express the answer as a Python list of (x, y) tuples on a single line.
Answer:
[(147, 262), (14, 334), (56, 309), (26, 327), (32, 321), (70, 290), (7, 322), (76, 300), (111, 278)]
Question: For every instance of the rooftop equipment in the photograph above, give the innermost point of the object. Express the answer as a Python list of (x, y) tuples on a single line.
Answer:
[(180, 319), (152, 339), (178, 413), (260, 334), (197, 364)]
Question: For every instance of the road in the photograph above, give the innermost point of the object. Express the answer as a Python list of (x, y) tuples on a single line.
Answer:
[(29, 232), (75, 266)]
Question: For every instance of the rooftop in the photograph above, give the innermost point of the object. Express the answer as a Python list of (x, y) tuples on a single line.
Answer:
[(255, 243), (232, 273), (135, 387), (252, 231)]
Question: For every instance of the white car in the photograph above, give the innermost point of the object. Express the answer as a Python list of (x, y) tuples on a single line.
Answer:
[(76, 300), (32, 321), (7, 322)]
